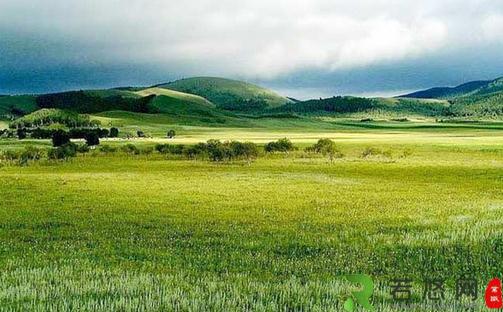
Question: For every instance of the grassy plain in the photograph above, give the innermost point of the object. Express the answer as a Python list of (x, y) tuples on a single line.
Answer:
[(146, 233)]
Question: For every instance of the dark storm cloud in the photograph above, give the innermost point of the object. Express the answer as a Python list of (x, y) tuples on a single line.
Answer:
[(335, 45)]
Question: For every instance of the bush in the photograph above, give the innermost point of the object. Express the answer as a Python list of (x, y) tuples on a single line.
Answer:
[(21, 133), (130, 149), (169, 149), (171, 134), (59, 138), (83, 148), (92, 139), (282, 145), (107, 149), (147, 150), (199, 150), (325, 147), (30, 153), (246, 150), (218, 151), (140, 134), (10, 155), (64, 151), (114, 132), (372, 151), (40, 133)]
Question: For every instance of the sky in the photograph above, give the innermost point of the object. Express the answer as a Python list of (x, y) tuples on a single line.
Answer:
[(301, 48)]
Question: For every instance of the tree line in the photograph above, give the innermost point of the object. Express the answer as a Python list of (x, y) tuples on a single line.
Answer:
[(212, 150)]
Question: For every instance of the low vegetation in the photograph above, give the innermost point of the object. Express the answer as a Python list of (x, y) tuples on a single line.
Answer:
[(47, 117), (149, 232)]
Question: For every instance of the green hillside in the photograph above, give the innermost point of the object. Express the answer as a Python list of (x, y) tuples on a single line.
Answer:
[(473, 88), (17, 105), (49, 116), (228, 94), (352, 105), (480, 105), (185, 97)]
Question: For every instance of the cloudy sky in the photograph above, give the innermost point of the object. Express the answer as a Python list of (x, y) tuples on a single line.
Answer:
[(305, 48)]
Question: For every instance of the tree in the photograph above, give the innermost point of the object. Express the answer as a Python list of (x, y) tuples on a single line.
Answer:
[(171, 133), (246, 150), (92, 138), (326, 147), (21, 133), (282, 145), (64, 151), (114, 132), (60, 138)]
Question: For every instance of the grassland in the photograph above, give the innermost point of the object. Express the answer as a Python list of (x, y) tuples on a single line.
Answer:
[(143, 233)]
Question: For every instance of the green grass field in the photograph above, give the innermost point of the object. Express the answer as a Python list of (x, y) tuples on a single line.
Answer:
[(146, 233)]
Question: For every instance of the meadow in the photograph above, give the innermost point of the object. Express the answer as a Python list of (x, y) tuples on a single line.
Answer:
[(149, 233)]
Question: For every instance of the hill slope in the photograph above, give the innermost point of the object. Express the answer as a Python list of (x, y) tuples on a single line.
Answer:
[(467, 89), (17, 105), (184, 97), (228, 94), (351, 105)]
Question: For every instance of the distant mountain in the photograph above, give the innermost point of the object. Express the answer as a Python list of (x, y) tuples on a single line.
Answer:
[(348, 105), (218, 99), (472, 99), (466, 89), (228, 94)]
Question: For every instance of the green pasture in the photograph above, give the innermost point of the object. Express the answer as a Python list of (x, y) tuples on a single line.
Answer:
[(146, 233)]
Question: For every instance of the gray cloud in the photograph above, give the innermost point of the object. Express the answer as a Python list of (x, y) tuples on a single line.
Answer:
[(260, 40)]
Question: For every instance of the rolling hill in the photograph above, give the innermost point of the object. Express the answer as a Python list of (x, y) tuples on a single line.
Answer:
[(347, 105), (176, 95), (228, 94), (17, 105), (467, 89), (215, 100), (473, 99)]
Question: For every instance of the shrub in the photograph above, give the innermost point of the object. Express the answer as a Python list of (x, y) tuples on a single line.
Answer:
[(114, 132), (171, 134), (372, 151), (21, 133), (140, 134), (9, 155), (169, 149), (64, 151), (147, 150), (92, 139), (83, 148), (282, 145), (199, 150), (107, 149), (30, 153), (325, 147), (130, 149), (246, 150), (218, 151), (40, 133), (406, 153), (59, 138)]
